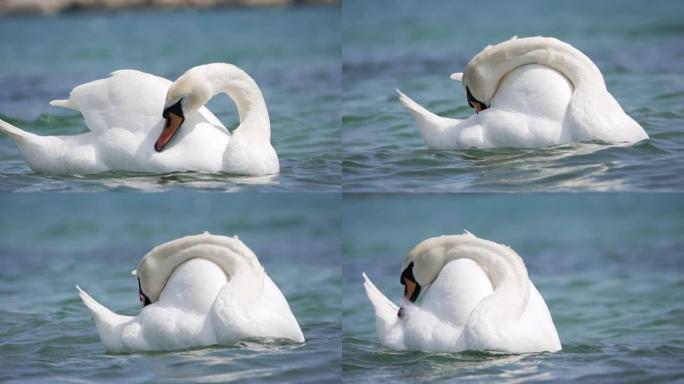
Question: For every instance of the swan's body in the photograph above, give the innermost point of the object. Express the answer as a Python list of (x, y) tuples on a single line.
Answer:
[(538, 92), (124, 118), (218, 293), (476, 296)]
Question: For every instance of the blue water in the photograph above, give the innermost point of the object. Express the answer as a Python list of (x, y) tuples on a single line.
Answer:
[(50, 242), (415, 46), (297, 71), (609, 266)]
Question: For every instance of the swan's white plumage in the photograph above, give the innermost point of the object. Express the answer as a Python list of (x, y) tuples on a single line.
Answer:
[(540, 92), (124, 117), (449, 316), (201, 304)]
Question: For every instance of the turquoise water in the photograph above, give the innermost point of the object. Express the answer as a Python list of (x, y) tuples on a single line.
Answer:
[(609, 266), (50, 242), (414, 46), (298, 72)]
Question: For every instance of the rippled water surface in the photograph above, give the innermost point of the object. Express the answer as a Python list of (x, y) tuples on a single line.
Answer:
[(297, 71), (610, 267), (49, 244), (414, 46)]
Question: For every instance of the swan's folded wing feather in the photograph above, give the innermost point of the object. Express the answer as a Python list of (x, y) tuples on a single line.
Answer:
[(129, 99), (213, 120), (236, 316)]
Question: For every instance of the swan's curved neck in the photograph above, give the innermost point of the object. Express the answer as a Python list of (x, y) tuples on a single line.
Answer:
[(485, 71), (504, 268), (237, 261), (245, 93)]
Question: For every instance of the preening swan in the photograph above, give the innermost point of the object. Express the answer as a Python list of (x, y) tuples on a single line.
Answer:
[(464, 293), (143, 123), (529, 92), (197, 291)]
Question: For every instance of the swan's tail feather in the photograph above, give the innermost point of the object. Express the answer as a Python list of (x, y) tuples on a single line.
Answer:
[(425, 119), (416, 109), (383, 306), (99, 311), (110, 326), (66, 103), (386, 315), (14, 132)]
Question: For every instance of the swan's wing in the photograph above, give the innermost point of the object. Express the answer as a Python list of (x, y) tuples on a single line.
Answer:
[(129, 99), (210, 118), (237, 315), (458, 289), (537, 324)]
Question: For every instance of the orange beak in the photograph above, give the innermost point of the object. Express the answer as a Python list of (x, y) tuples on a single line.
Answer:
[(173, 122), (477, 106), (409, 289)]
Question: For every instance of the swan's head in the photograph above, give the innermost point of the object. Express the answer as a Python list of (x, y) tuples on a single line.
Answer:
[(473, 102), (421, 267), (144, 299), (185, 96)]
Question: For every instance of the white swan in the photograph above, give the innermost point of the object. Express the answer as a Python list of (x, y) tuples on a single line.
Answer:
[(143, 123), (198, 291), (473, 294), (529, 92)]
